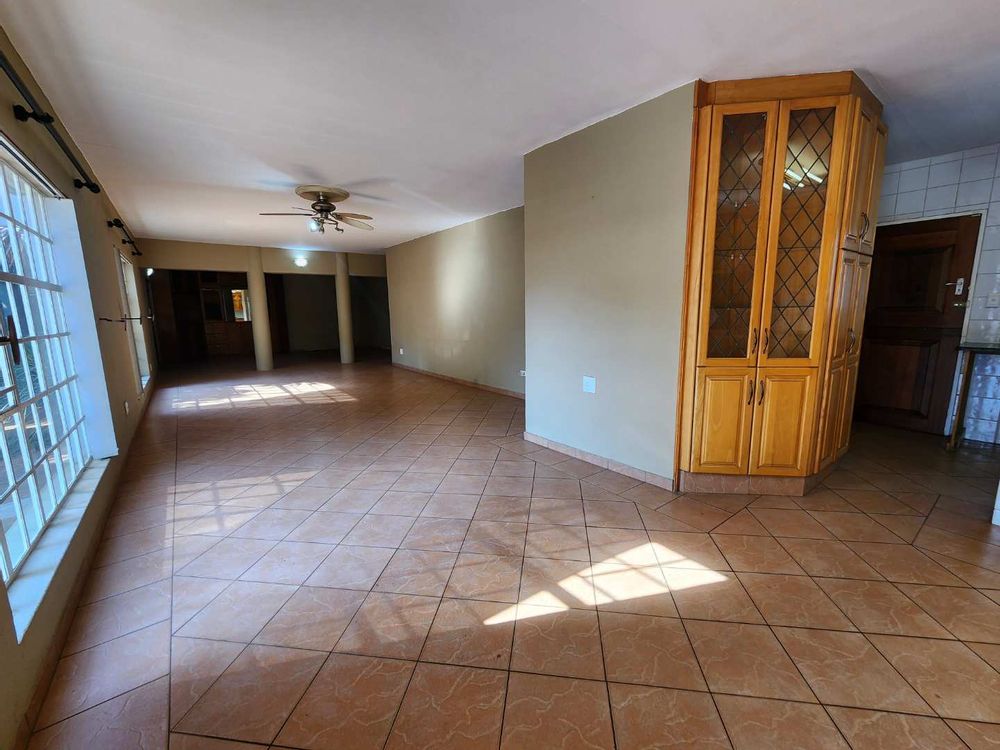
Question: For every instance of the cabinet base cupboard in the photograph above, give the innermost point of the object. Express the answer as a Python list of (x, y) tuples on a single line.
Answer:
[(784, 198)]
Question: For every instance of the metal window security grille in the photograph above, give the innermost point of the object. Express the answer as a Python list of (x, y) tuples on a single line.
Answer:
[(800, 235), (741, 158), (43, 448)]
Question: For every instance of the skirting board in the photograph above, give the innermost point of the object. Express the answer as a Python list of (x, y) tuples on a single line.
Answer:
[(605, 463), (461, 381)]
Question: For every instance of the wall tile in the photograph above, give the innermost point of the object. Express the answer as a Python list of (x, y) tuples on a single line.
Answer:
[(989, 262), (913, 164), (910, 203), (991, 238), (887, 206), (978, 167), (944, 174), (977, 191), (984, 408), (993, 214), (978, 429), (890, 182), (913, 179), (953, 156), (981, 151), (941, 197)]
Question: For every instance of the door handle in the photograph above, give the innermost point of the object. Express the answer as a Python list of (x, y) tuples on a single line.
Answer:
[(750, 399), (12, 339), (959, 286), (763, 342), (864, 227), (852, 339), (753, 346), (760, 400)]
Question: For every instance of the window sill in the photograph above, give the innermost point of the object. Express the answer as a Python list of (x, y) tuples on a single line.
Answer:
[(28, 588)]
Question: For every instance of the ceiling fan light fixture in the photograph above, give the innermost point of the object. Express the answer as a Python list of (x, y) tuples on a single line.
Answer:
[(315, 225), (301, 262)]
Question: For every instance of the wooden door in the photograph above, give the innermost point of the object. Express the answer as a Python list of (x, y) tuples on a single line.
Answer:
[(741, 158), (802, 237), (916, 306), (724, 398), (858, 221), (783, 421)]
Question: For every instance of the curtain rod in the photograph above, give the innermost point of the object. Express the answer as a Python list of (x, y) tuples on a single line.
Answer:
[(44, 118), (129, 239)]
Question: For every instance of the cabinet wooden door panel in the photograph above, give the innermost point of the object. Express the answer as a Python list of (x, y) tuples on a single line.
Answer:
[(847, 409), (857, 305), (723, 408), (832, 413), (858, 222), (800, 264), (783, 421), (874, 187), (843, 313)]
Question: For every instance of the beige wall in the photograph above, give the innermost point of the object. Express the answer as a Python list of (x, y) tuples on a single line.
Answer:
[(203, 256), (456, 301), (21, 664), (605, 215)]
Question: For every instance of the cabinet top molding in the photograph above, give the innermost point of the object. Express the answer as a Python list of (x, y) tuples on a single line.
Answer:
[(841, 83)]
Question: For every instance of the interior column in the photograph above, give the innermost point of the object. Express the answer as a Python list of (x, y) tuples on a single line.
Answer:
[(260, 321), (344, 323)]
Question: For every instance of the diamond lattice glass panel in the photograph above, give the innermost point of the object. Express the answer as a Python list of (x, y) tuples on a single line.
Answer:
[(741, 158), (800, 235)]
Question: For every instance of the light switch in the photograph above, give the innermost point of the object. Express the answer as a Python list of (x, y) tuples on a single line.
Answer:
[(400, 351), (589, 384)]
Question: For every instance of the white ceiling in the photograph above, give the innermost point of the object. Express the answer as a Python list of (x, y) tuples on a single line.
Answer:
[(197, 114)]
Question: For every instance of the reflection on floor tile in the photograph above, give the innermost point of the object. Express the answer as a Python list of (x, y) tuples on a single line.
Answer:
[(389, 564)]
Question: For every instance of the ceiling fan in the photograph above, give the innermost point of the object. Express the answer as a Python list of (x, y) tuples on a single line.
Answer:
[(322, 212)]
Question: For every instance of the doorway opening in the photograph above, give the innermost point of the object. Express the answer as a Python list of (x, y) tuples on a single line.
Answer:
[(917, 298)]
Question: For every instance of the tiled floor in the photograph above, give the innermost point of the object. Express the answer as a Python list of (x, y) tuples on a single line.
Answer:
[(365, 557)]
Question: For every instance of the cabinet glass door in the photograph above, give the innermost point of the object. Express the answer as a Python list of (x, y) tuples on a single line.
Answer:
[(802, 231), (736, 232)]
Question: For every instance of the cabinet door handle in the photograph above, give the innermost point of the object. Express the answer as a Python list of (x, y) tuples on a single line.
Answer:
[(763, 342), (750, 399), (852, 339), (753, 346), (12, 339), (760, 400), (864, 227)]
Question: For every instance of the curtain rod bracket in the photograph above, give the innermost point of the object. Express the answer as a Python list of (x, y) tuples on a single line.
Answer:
[(21, 114), (89, 184)]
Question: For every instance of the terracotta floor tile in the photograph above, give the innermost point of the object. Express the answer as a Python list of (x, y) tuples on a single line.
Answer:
[(856, 527), (313, 618), (487, 577), (351, 568), (556, 488), (118, 615), (90, 677), (389, 625), (438, 534), (557, 583), (759, 723), (564, 642), (495, 538), (503, 508), (451, 506), (126, 575), (239, 612), (880, 607), (710, 595), (557, 542), (990, 652), (190, 595), (136, 719), (272, 523), (509, 486), (471, 633), (965, 612), (288, 562), (461, 484), (791, 523), (350, 705), (793, 600), (956, 682), (507, 468), (613, 481), (417, 572), (632, 589), (976, 735), (325, 527), (399, 503), (545, 711), (828, 558), (352, 501), (448, 706), (845, 669), (413, 481), (746, 660), (743, 523), (756, 554), (649, 495), (699, 515), (379, 531), (904, 564), (195, 663), (654, 520), (621, 546), (563, 511), (648, 651), (621, 515), (892, 731), (651, 717), (254, 696)]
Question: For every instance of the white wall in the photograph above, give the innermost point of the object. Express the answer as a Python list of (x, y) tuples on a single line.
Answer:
[(456, 301), (961, 182), (605, 219)]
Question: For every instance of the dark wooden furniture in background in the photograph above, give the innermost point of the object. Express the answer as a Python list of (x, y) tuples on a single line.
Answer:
[(920, 279)]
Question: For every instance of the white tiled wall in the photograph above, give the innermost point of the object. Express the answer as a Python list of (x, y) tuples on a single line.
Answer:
[(961, 182)]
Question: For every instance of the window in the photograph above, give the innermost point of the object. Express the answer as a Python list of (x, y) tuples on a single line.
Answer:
[(132, 314), (43, 445), (241, 305)]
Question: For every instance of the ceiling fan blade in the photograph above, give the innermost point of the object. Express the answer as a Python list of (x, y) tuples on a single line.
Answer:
[(282, 214), (348, 215), (356, 224)]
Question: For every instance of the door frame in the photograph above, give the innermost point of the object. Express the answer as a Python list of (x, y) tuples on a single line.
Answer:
[(976, 259)]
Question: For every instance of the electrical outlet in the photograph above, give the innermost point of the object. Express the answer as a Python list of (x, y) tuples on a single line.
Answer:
[(521, 372), (589, 384), (400, 351), (993, 300)]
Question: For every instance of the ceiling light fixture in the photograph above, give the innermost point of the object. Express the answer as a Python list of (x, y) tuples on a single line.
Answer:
[(301, 262)]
